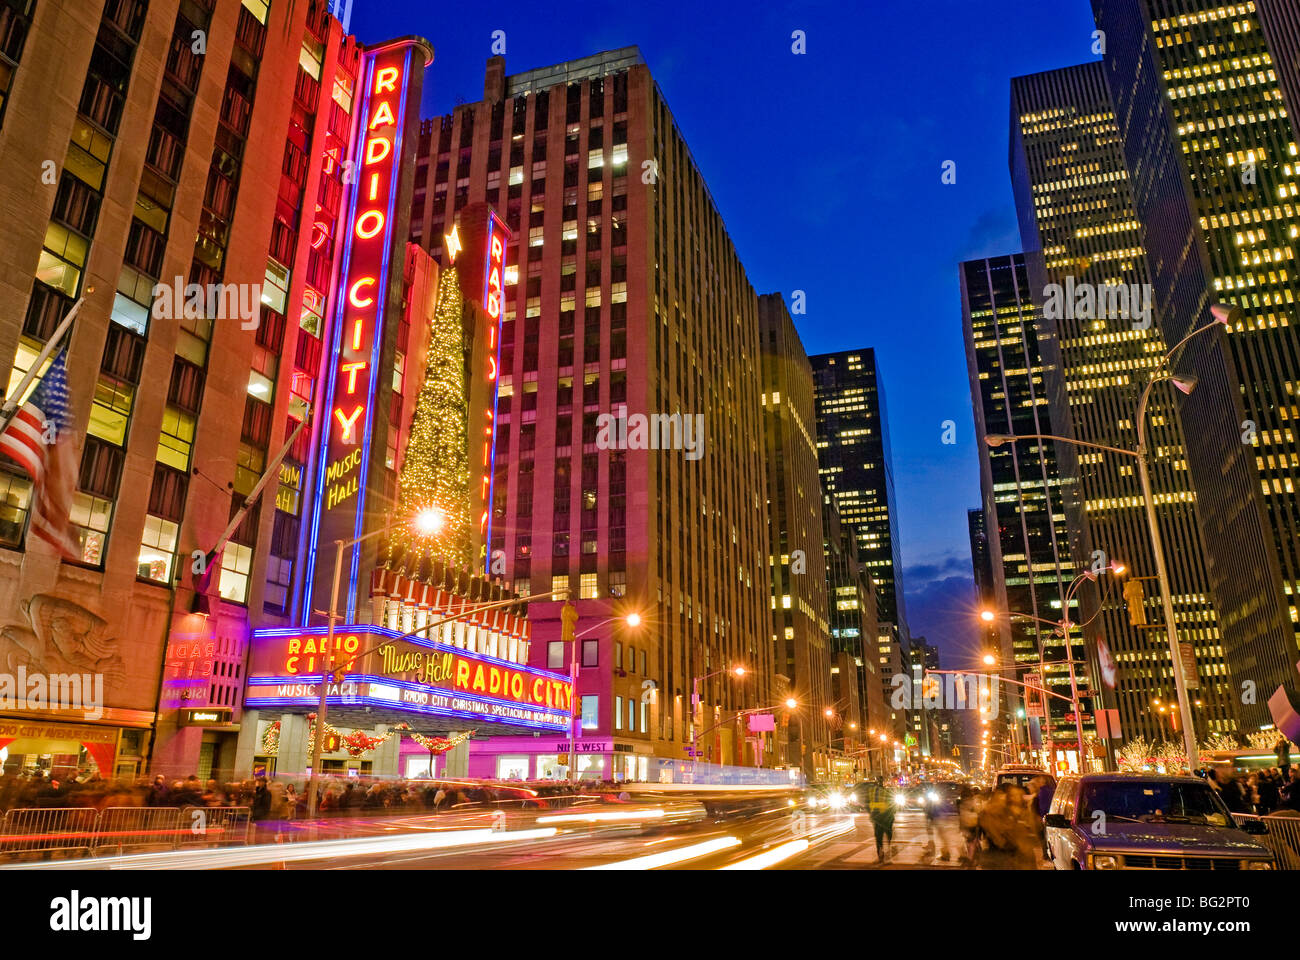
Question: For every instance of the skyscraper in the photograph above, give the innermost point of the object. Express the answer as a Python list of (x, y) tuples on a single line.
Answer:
[(857, 468), (612, 224), (981, 556), (1205, 95), (857, 472), (1079, 224), (801, 633), (1028, 541)]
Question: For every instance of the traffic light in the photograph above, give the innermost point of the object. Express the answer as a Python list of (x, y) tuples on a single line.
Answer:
[(568, 620), (1135, 599)]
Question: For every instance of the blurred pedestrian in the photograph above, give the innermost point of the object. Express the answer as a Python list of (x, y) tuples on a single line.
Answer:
[(969, 806), (880, 807)]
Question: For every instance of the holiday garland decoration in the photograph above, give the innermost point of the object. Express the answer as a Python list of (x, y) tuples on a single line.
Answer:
[(355, 743), (271, 739), (438, 745), (435, 468)]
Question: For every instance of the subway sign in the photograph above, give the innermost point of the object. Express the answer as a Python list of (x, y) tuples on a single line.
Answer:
[(411, 674), (354, 390)]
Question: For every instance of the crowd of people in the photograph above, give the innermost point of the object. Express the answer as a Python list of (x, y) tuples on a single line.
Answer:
[(1002, 828), (270, 799), (1273, 790)]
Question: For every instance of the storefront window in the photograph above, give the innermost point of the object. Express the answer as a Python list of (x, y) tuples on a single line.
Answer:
[(591, 766), (548, 766), (419, 768), (512, 768)]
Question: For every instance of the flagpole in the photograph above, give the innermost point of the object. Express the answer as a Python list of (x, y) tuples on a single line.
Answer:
[(10, 407), (253, 494)]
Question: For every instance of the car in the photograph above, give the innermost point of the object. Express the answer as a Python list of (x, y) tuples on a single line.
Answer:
[(1022, 775), (828, 797), (1147, 822)]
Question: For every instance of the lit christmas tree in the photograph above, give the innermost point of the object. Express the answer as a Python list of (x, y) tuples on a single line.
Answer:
[(435, 470)]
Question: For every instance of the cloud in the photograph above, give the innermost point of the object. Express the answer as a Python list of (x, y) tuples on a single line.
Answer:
[(943, 611), (921, 574), (995, 232)]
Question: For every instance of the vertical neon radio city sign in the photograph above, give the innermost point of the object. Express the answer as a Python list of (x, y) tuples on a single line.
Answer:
[(494, 270), (351, 374)]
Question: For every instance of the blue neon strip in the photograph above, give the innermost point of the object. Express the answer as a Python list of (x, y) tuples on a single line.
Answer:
[(376, 347), (373, 630), (257, 702)]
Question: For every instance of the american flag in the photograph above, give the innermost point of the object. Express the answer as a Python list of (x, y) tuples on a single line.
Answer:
[(51, 465)]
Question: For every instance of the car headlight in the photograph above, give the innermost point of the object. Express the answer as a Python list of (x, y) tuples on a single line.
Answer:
[(900, 799), (1259, 864), (1104, 862), (836, 801), (853, 798), (932, 797)]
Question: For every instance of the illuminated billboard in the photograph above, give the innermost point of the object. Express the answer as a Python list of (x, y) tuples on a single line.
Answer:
[(354, 390), (494, 270), (413, 674)]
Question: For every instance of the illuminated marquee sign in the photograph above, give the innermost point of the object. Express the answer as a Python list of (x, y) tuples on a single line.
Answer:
[(414, 674), (351, 375), (494, 269)]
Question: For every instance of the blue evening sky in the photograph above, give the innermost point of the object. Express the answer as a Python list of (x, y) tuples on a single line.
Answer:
[(826, 168)]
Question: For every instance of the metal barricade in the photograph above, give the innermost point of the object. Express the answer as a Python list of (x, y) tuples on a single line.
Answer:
[(215, 826), (46, 829), (1283, 837), (1284, 840), (122, 827)]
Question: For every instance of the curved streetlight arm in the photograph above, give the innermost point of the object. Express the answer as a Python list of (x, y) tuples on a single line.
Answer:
[(1198, 330), (1004, 437)]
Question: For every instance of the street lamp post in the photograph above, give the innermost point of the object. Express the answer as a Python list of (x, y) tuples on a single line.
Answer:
[(695, 706), (1226, 315), (575, 720), (1064, 626)]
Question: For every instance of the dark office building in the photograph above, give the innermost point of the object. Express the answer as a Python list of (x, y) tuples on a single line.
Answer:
[(1029, 545), (981, 559), (800, 632), (857, 469)]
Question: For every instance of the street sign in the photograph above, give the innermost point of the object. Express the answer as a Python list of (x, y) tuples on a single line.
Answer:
[(1033, 696), (1188, 653)]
